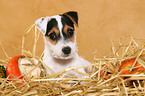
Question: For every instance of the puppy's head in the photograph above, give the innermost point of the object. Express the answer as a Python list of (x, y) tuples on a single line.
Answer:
[(59, 34)]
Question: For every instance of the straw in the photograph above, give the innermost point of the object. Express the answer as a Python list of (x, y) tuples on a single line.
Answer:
[(97, 83)]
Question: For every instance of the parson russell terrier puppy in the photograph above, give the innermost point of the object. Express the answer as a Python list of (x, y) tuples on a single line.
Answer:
[(60, 43)]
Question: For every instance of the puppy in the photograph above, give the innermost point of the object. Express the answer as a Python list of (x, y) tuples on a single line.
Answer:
[(60, 43)]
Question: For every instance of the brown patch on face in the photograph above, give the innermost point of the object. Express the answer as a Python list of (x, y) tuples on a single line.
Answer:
[(54, 31), (69, 35)]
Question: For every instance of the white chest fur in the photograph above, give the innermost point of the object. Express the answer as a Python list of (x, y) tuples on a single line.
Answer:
[(58, 65)]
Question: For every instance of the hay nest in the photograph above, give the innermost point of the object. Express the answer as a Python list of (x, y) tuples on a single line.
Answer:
[(104, 79)]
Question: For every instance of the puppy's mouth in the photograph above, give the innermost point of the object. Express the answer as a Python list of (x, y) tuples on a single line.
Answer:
[(62, 57)]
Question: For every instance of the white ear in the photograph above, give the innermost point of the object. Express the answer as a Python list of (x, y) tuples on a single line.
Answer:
[(41, 24)]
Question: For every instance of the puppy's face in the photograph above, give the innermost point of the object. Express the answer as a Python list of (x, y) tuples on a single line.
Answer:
[(59, 34)]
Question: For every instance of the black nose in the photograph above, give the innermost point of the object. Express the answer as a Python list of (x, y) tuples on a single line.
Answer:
[(66, 50)]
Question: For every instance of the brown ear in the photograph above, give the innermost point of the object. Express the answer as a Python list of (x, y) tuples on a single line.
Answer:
[(73, 16)]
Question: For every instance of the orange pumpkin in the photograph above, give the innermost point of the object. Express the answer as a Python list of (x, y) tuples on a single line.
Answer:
[(126, 66), (13, 69)]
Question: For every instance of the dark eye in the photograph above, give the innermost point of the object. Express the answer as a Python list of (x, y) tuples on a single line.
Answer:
[(53, 36), (70, 32)]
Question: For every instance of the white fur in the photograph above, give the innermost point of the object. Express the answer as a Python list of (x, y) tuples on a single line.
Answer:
[(59, 64), (54, 58)]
